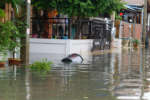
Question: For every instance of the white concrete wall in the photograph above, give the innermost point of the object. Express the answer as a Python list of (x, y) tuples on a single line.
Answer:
[(80, 46), (56, 49), (60, 46), (47, 46)]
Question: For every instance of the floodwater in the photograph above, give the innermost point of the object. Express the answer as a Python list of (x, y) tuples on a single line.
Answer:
[(121, 75)]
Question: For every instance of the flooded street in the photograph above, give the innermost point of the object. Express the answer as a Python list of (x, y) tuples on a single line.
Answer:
[(121, 75)]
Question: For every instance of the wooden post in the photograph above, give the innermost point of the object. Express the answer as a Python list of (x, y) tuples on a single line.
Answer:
[(144, 23), (69, 28), (9, 11), (6, 12)]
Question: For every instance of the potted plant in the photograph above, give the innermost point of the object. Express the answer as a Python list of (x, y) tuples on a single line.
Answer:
[(15, 44), (135, 42)]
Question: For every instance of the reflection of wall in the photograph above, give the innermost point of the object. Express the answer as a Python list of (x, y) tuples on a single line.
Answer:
[(130, 61), (126, 75)]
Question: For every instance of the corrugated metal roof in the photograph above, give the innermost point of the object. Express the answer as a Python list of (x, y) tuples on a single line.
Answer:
[(134, 2), (134, 8)]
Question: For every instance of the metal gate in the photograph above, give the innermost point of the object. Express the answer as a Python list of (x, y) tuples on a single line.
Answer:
[(101, 33)]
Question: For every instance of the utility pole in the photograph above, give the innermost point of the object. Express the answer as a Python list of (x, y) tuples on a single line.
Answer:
[(25, 41), (144, 34), (28, 31)]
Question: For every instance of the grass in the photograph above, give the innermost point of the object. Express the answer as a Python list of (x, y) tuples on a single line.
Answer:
[(39, 66)]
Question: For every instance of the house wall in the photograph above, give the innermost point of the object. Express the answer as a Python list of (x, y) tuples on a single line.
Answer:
[(129, 29)]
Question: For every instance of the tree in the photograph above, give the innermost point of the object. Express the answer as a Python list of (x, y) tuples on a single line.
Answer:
[(16, 26), (45, 4), (2, 14), (80, 8), (15, 4)]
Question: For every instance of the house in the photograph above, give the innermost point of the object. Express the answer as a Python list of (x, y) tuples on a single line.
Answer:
[(56, 34), (130, 25)]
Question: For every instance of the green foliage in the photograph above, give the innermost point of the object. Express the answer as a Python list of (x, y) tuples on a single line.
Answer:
[(46, 4), (136, 41), (17, 32), (2, 14), (21, 26), (43, 65), (10, 34), (81, 8), (5, 40), (113, 5), (117, 17), (15, 3), (5, 34)]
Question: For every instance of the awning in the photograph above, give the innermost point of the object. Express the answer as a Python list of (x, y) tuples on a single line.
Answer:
[(134, 8)]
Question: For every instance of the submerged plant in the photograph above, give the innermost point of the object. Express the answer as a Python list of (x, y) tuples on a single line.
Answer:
[(136, 41), (39, 66)]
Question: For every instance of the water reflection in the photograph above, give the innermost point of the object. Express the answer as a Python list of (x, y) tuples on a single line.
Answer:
[(129, 76), (108, 76)]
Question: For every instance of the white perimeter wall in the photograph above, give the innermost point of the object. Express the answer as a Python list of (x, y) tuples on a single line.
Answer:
[(57, 48)]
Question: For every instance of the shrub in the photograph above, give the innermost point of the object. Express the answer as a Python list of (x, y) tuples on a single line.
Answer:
[(2, 13), (43, 65)]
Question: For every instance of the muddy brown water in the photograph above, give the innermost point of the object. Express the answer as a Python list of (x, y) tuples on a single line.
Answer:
[(110, 76)]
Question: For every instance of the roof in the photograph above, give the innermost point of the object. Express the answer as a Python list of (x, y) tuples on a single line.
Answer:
[(134, 8), (134, 2)]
